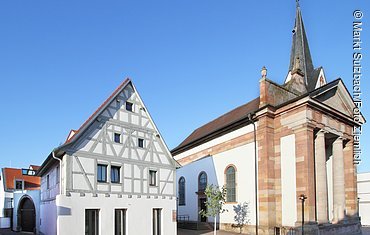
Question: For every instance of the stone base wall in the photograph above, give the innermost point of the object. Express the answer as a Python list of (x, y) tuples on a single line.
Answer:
[(353, 228)]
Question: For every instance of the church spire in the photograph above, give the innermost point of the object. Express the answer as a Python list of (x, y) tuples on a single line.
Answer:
[(300, 57)]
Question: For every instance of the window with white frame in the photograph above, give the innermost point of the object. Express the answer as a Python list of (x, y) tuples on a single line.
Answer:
[(115, 174), (152, 177)]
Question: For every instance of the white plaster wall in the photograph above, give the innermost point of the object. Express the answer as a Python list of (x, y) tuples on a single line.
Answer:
[(71, 211), (48, 218), (243, 159), (329, 176), (288, 180), (35, 196), (2, 195), (47, 194), (191, 173), (363, 186), (4, 222)]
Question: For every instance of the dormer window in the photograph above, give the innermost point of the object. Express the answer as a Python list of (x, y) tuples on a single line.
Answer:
[(129, 106), (18, 184)]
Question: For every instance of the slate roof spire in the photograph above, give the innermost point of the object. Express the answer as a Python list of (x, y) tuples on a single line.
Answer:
[(300, 57)]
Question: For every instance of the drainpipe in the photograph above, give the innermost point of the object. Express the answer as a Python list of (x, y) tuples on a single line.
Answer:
[(255, 169), (60, 172)]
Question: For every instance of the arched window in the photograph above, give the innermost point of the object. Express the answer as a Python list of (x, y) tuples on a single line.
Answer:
[(202, 182), (182, 191), (230, 184)]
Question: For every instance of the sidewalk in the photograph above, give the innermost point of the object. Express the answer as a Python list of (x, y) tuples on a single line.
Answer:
[(202, 232), (9, 232)]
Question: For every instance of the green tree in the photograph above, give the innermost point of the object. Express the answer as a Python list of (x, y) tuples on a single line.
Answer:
[(216, 199)]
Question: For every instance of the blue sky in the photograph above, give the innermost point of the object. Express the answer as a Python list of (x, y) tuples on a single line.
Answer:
[(190, 60)]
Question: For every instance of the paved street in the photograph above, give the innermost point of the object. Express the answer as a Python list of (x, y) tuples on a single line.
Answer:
[(365, 231), (9, 232), (202, 232)]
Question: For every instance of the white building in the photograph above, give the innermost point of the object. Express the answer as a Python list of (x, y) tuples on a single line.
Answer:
[(19, 198), (363, 185), (26, 210), (114, 175)]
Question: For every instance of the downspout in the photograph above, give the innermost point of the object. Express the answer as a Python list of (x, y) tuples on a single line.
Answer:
[(60, 172), (255, 169)]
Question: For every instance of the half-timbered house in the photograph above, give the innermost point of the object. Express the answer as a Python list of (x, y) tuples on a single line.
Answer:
[(114, 175)]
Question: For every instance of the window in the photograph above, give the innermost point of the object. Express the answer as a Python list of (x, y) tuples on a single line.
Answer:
[(102, 173), (182, 191), (120, 222), (91, 222), (140, 143), (117, 138), (115, 174), (58, 174), (152, 178), (202, 184), (18, 184), (129, 106), (47, 182), (230, 184), (157, 221)]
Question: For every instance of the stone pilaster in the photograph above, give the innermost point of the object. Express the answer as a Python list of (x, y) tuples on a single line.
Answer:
[(321, 181), (350, 180), (266, 172), (305, 168), (338, 181)]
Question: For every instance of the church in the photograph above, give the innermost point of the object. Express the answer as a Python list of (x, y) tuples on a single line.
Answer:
[(288, 153)]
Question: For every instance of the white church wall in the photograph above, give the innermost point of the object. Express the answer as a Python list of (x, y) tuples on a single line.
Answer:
[(243, 159), (288, 180), (191, 173), (363, 184), (329, 176)]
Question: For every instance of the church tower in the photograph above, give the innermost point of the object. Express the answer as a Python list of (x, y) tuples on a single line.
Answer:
[(299, 135)]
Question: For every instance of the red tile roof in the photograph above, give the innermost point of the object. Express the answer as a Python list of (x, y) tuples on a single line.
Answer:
[(219, 123), (12, 174)]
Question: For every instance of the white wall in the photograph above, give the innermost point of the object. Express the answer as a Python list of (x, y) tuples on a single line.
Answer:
[(71, 210), (53, 190), (48, 219), (191, 173), (288, 180), (243, 159), (35, 196), (2, 194), (4, 203), (363, 184)]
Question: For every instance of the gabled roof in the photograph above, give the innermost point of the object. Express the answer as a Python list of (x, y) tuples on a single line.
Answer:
[(217, 124), (12, 174), (74, 134)]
